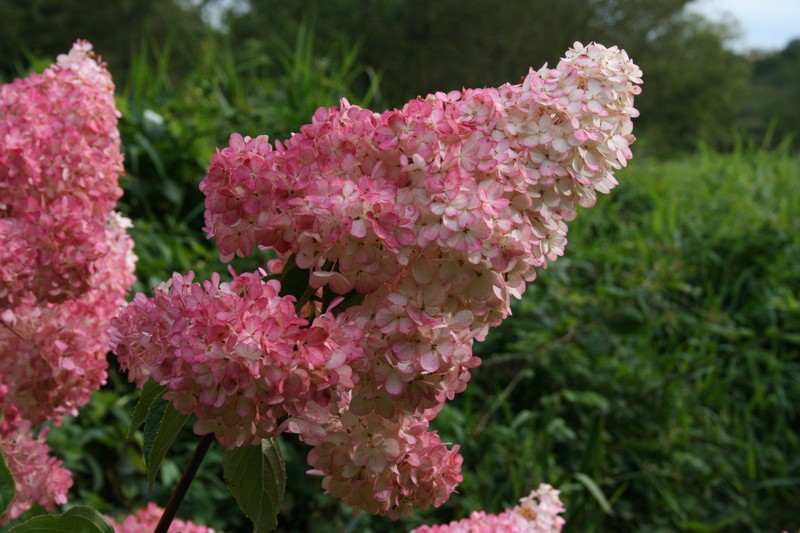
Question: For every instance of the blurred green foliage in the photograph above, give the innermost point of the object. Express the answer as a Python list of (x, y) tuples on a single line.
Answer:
[(652, 373), (45, 28), (772, 107)]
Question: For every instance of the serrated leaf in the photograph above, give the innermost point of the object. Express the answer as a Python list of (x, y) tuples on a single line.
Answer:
[(256, 476), (77, 520), (162, 425), (7, 486), (150, 392)]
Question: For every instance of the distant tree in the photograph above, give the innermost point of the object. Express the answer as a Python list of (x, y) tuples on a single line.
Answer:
[(424, 46), (772, 106), (693, 84), (45, 28)]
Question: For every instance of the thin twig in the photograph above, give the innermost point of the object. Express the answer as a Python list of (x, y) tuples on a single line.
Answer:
[(183, 485), (12, 330)]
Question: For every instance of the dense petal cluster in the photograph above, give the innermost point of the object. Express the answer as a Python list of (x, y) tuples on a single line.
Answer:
[(383, 468), (38, 478), (60, 160), (235, 354), (536, 513), (66, 261), (436, 215), (53, 355), (146, 519)]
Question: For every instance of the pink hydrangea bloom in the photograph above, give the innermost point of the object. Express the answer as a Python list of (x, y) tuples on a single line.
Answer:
[(66, 261), (146, 519), (383, 467), (60, 161), (39, 478), (538, 512), (437, 214), (53, 355), (235, 354), (434, 215)]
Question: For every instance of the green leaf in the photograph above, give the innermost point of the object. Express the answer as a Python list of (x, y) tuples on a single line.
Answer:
[(7, 487), (155, 414), (162, 425), (294, 280), (150, 392), (77, 520), (596, 491), (256, 476)]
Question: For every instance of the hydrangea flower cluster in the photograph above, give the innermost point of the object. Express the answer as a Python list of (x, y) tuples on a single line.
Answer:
[(236, 354), (146, 519), (38, 477), (66, 261), (53, 356), (59, 163), (437, 214), (383, 466), (536, 513), (420, 224)]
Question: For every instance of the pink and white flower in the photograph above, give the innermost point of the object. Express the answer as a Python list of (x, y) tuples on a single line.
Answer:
[(427, 220)]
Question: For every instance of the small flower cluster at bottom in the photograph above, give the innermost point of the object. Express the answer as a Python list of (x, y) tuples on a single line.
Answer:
[(146, 519), (539, 512), (536, 513)]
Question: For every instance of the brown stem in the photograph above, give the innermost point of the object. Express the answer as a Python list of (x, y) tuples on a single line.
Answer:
[(12, 330), (183, 485)]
